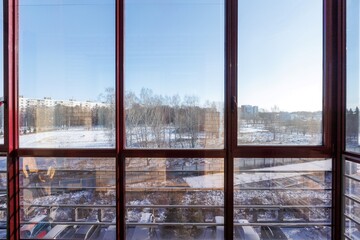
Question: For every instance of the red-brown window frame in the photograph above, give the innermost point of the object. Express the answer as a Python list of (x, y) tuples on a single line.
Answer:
[(333, 107)]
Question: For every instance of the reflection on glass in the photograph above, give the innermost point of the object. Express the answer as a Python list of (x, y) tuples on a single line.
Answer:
[(174, 73), (3, 197), (352, 200), (352, 76), (352, 229), (274, 193), (67, 198), (177, 198), (67, 73), (280, 72)]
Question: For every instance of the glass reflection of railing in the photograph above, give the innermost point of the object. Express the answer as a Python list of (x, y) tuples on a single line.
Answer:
[(3, 201), (79, 228), (351, 200), (76, 203), (282, 201)]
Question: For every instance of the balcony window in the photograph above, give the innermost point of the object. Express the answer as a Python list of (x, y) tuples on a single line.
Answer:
[(280, 72), (67, 74), (179, 119)]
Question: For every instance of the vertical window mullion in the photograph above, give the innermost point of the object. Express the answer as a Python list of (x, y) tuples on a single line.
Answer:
[(231, 111), (10, 114), (120, 122)]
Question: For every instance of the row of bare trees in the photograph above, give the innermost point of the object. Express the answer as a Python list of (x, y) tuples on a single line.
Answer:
[(161, 121), (279, 122), (43, 118), (151, 120)]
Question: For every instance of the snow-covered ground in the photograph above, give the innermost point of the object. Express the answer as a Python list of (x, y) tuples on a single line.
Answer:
[(260, 135), (71, 138), (100, 138), (266, 174)]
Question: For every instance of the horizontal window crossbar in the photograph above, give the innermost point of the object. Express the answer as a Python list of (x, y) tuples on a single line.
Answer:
[(235, 206), (274, 171), (180, 170), (172, 224), (170, 189), (283, 224), (67, 153), (174, 206), (69, 188), (237, 188), (68, 205), (271, 151), (282, 206), (81, 171), (219, 171), (174, 153), (351, 157), (73, 223)]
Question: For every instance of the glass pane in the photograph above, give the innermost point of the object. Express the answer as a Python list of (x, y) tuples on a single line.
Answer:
[(174, 198), (352, 229), (351, 183), (174, 73), (3, 197), (67, 198), (352, 208), (280, 62), (352, 75), (273, 194), (67, 73), (351, 180)]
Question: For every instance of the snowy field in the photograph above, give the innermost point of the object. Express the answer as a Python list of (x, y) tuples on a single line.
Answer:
[(259, 135), (272, 173), (73, 138), (101, 138)]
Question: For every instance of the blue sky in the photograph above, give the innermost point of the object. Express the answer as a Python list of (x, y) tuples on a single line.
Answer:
[(280, 54), (352, 38), (173, 47), (67, 48)]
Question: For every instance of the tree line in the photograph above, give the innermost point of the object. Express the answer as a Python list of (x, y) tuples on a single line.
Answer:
[(151, 120)]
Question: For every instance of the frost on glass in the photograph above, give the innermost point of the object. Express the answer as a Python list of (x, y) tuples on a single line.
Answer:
[(67, 73), (352, 76), (67, 198), (271, 194), (280, 65), (174, 74), (174, 198)]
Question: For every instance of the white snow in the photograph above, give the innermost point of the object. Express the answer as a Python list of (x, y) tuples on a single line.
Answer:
[(217, 180), (70, 138)]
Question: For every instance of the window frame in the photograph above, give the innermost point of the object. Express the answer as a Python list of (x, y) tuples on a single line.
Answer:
[(333, 132)]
